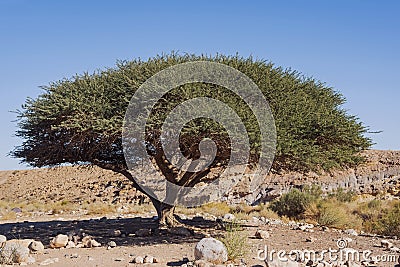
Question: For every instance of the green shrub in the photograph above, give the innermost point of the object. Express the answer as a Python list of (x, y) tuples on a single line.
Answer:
[(235, 241), (389, 222), (292, 204)]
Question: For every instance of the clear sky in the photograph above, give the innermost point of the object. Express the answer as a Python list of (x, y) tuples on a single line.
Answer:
[(353, 46)]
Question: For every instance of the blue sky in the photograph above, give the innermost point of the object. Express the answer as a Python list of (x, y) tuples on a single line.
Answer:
[(353, 46)]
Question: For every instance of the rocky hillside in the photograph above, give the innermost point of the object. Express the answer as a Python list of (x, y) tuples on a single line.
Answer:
[(73, 184), (380, 174)]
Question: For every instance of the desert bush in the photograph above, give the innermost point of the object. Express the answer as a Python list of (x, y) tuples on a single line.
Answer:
[(292, 204), (375, 204), (343, 195), (334, 213), (267, 212), (388, 222), (235, 241)]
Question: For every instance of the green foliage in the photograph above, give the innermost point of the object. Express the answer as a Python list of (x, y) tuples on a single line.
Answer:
[(79, 120), (388, 221), (292, 204), (235, 241)]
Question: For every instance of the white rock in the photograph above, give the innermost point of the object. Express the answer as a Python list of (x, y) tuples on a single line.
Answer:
[(36, 247), (229, 217), (351, 232), (202, 263), (261, 234), (394, 249), (59, 241), (352, 264), (112, 244), (278, 263), (94, 243), (70, 244), (49, 261), (115, 233), (3, 238), (14, 253), (148, 259), (211, 249), (386, 244), (21, 242), (138, 259)]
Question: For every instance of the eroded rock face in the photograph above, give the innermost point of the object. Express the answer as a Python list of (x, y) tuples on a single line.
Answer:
[(211, 250), (380, 174)]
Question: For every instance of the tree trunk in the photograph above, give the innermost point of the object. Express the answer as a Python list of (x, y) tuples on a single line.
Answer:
[(165, 213)]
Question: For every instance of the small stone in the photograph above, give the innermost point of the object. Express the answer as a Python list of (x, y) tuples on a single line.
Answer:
[(112, 244), (49, 261), (261, 234), (115, 233), (386, 244), (118, 259), (182, 231), (89, 242), (394, 249), (229, 217), (59, 241), (325, 228), (302, 227), (94, 243), (16, 210), (138, 259), (351, 232), (3, 238), (36, 247), (143, 232), (202, 263), (148, 259), (70, 244), (310, 239)]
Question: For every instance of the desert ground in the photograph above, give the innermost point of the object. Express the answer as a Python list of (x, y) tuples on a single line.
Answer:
[(40, 204)]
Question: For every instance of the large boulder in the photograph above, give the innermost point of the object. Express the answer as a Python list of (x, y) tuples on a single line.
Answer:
[(14, 253), (212, 250), (21, 242)]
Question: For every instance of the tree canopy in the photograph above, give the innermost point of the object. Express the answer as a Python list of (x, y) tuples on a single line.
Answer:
[(79, 120)]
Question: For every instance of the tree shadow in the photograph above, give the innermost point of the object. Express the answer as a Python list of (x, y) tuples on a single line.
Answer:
[(102, 230)]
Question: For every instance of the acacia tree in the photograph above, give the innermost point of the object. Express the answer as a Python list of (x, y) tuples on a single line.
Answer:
[(79, 121)]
